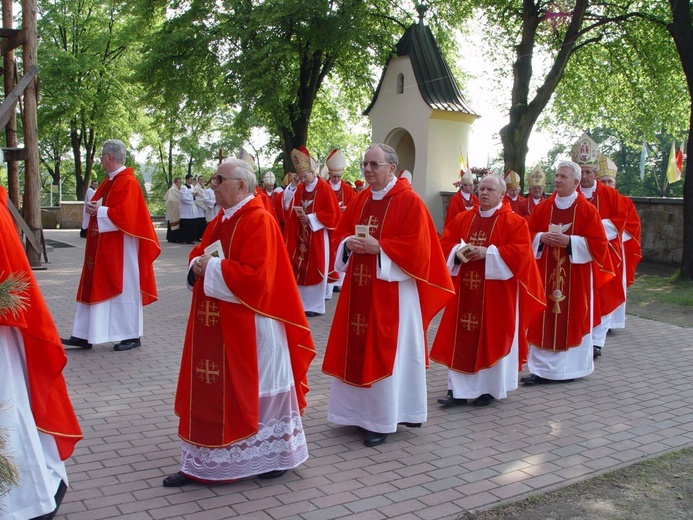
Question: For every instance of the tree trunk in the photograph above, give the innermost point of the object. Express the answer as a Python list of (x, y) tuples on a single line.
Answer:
[(10, 66), (524, 113), (32, 186), (681, 30), (76, 142)]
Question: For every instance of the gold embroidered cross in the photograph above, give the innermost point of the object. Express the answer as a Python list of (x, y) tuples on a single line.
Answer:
[(362, 275), (359, 324), (208, 313), (469, 321), (207, 371), (472, 280)]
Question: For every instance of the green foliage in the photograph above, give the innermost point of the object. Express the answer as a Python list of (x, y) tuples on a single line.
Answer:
[(86, 55)]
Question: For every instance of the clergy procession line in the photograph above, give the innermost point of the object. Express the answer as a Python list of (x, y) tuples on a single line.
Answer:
[(538, 281)]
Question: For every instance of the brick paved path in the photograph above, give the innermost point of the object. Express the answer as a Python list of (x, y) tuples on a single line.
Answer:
[(636, 404)]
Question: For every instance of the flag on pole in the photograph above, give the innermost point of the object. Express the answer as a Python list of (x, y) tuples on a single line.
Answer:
[(643, 157), (673, 171), (463, 164)]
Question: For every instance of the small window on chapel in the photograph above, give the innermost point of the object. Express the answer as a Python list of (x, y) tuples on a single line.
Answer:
[(400, 83)]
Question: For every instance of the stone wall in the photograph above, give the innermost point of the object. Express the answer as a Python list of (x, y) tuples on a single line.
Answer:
[(662, 227)]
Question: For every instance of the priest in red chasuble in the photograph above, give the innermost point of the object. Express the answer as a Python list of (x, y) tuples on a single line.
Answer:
[(571, 248), (396, 281), (36, 415), (512, 195), (308, 227), (631, 252), (536, 183), (482, 335), (118, 271), (613, 214), (463, 200), (335, 167), (242, 383)]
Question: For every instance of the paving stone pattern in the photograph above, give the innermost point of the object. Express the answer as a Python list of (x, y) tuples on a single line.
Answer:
[(636, 404)]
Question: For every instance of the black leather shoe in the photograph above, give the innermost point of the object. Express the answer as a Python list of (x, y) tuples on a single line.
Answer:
[(337, 289), (272, 474), (127, 344), (596, 352), (449, 400), (411, 424), (483, 400), (76, 342), (312, 314), (372, 439), (534, 379), (177, 479)]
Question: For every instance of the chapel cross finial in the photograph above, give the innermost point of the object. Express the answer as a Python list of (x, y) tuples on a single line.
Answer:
[(421, 9)]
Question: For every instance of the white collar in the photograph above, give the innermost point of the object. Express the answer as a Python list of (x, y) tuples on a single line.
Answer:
[(229, 212), (565, 202), (465, 195), (485, 213), (380, 194), (310, 187), (115, 172), (588, 192)]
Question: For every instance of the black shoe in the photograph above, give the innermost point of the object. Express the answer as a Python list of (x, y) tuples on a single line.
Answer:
[(337, 289), (76, 342), (372, 439), (483, 400), (534, 379), (127, 344), (411, 424), (272, 474), (449, 400), (312, 314), (177, 479), (596, 352)]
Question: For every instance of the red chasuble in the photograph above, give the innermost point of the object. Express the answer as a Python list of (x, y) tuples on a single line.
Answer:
[(102, 272), (45, 357), (528, 206), (217, 396), (363, 339), (478, 326), (631, 247), (307, 248), (458, 204), (515, 205), (345, 194), (610, 206), (566, 319)]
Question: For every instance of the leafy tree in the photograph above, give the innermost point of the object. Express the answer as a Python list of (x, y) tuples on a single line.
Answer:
[(85, 59), (272, 58)]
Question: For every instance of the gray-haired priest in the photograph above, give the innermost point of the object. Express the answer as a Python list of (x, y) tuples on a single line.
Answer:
[(242, 383)]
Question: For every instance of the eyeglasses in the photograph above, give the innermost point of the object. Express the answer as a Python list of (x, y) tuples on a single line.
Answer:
[(219, 179), (373, 164)]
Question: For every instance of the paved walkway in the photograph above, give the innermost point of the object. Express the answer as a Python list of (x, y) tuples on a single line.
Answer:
[(638, 403)]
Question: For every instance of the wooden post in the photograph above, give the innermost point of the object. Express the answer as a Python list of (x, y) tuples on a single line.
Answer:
[(32, 185), (10, 79)]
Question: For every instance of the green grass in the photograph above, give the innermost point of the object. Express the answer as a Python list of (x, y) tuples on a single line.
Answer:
[(654, 288)]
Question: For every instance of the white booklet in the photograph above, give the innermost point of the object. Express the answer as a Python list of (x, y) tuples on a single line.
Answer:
[(215, 249)]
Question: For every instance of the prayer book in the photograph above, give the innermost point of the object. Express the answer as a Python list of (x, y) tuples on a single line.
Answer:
[(464, 251), (362, 231), (215, 249)]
